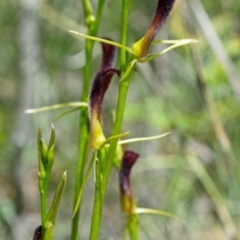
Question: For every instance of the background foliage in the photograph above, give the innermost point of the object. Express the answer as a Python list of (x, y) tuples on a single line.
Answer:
[(192, 91)]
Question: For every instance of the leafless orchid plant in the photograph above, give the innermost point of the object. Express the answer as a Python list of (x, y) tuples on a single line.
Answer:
[(106, 151)]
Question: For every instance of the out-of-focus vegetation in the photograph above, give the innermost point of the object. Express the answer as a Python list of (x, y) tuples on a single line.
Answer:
[(193, 91)]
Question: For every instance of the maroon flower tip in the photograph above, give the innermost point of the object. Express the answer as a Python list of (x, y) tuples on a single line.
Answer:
[(127, 201), (140, 48), (163, 9), (129, 158), (38, 233), (108, 54), (100, 86)]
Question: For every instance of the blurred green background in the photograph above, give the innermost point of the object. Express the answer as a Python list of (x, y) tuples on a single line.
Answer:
[(193, 91)]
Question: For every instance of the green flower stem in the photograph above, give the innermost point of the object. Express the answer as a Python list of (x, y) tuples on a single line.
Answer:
[(84, 122), (123, 89), (43, 194), (43, 199), (101, 184), (42, 149), (132, 225), (83, 147), (48, 231), (88, 12), (45, 159), (122, 95), (125, 13)]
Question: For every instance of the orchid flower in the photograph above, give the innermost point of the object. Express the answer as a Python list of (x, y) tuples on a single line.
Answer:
[(140, 48), (99, 87), (127, 201)]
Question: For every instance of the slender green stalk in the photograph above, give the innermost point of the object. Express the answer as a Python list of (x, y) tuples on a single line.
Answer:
[(43, 195), (123, 89), (42, 149), (125, 13), (88, 12), (84, 123), (132, 223), (97, 210), (122, 95), (83, 146), (101, 183), (43, 200)]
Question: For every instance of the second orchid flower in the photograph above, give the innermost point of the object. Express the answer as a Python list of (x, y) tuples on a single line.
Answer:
[(99, 87)]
